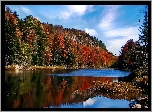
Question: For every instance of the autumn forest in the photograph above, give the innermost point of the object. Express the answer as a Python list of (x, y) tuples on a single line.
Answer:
[(33, 43), (30, 42)]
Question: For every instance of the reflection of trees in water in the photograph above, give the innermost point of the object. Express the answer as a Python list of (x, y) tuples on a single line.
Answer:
[(141, 102), (132, 102), (113, 90), (87, 94), (34, 90), (120, 90)]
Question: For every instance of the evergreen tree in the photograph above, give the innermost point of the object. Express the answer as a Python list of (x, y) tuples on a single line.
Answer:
[(30, 42), (12, 37), (102, 45), (143, 37), (134, 55)]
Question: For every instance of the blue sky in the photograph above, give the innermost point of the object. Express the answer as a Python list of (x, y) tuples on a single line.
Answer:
[(113, 24)]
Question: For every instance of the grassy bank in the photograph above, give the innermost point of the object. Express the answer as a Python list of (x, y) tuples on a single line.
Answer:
[(15, 67)]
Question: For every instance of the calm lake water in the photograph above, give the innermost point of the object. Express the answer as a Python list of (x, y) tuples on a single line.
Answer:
[(53, 89)]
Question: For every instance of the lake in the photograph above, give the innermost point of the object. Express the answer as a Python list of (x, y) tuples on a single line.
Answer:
[(54, 89)]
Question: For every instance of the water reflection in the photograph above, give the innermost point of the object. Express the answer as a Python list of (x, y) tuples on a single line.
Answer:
[(34, 89), (96, 102)]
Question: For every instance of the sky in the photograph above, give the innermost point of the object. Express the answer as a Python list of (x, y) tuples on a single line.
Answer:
[(113, 24)]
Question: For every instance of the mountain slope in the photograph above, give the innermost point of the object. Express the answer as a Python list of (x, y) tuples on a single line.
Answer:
[(30, 42)]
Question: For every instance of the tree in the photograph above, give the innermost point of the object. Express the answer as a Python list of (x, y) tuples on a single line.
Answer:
[(128, 57), (102, 45), (30, 42), (134, 55), (35, 37), (12, 38), (143, 37)]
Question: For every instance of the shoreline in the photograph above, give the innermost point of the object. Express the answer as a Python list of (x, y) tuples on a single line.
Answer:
[(110, 87), (17, 67)]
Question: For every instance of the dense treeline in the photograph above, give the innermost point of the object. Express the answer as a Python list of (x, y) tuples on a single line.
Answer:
[(30, 42), (134, 55)]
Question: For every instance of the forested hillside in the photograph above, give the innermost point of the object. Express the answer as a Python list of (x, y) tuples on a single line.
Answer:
[(31, 42)]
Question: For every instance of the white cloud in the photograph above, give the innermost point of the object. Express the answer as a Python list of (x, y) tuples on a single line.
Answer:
[(65, 12), (122, 32), (106, 21), (92, 32), (26, 10), (38, 18), (64, 15), (114, 45), (89, 102), (109, 48), (79, 9), (115, 37), (109, 15)]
